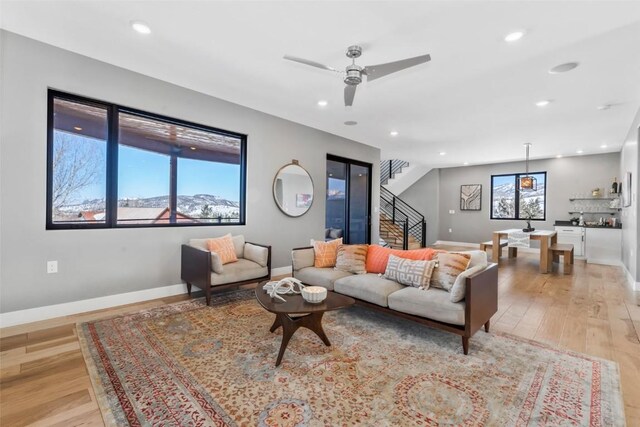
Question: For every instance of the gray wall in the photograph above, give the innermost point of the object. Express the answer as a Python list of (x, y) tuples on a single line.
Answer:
[(423, 196), (565, 177), (630, 230), (94, 263)]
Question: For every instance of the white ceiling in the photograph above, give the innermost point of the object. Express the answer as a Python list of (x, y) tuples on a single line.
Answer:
[(475, 100)]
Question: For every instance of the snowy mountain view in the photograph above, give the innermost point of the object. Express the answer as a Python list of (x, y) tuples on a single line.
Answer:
[(531, 202), (199, 206)]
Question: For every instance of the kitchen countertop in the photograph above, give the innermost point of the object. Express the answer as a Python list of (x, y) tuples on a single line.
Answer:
[(568, 224)]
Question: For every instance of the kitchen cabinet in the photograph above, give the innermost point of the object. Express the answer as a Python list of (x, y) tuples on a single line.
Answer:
[(603, 245), (574, 236)]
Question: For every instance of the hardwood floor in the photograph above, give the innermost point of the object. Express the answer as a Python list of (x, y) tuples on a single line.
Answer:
[(43, 378)]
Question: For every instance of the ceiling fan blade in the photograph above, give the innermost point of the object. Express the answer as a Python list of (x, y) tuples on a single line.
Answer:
[(349, 94), (376, 71), (309, 62)]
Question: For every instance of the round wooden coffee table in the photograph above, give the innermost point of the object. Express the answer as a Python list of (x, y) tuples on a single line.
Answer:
[(310, 314)]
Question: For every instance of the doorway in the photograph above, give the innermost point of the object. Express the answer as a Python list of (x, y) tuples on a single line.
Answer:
[(348, 206)]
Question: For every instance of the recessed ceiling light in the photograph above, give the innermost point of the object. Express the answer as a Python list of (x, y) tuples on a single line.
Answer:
[(442, 153), (466, 163), (330, 174), (393, 133), (543, 103), (350, 123), (193, 148), (77, 128), (603, 146), (579, 151), (515, 36), (559, 156), (604, 107), (140, 27), (563, 68), (322, 103)]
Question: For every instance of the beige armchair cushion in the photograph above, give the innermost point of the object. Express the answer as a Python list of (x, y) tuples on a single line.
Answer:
[(238, 271), (238, 244), (257, 254)]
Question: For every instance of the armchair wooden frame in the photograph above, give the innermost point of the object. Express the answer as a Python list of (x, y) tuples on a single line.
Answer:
[(196, 271)]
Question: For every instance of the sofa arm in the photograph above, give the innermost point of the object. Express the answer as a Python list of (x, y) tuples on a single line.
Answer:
[(196, 266), (302, 257), (258, 253), (481, 299)]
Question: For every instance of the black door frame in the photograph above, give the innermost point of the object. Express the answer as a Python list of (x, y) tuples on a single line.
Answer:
[(347, 190)]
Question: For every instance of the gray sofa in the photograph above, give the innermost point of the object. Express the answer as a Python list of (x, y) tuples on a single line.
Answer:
[(433, 307), (204, 269)]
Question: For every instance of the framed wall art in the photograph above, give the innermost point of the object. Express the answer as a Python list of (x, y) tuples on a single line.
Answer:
[(471, 197)]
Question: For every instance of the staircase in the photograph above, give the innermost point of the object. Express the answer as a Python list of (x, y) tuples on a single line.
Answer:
[(401, 226)]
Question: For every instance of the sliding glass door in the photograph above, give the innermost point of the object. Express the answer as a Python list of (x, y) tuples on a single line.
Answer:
[(348, 207)]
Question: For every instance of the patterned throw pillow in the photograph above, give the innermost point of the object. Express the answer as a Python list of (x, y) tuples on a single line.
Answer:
[(409, 272), (325, 253), (449, 266), (378, 256), (352, 258), (223, 246)]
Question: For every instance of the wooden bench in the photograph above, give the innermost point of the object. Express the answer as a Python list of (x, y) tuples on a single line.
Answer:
[(566, 251), (513, 252)]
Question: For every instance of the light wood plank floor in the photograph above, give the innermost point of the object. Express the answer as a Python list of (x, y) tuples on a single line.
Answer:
[(44, 381)]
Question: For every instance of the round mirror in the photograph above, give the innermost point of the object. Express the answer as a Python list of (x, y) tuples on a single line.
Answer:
[(293, 190)]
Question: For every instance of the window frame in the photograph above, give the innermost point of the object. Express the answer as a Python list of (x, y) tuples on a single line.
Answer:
[(517, 196), (112, 141)]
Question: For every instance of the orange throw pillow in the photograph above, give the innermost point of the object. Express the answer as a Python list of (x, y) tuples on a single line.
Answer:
[(378, 256), (326, 253), (223, 246)]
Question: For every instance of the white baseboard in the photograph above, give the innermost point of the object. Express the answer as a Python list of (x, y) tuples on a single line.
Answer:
[(634, 285), (613, 262), (280, 271), (29, 315), (477, 246)]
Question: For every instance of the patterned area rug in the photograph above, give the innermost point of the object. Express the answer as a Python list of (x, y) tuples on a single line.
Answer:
[(188, 364)]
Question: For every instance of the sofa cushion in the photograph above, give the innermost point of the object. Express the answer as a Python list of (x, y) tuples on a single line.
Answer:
[(301, 258), (325, 253), (223, 246), (477, 263), (450, 265), (257, 254), (367, 287), (216, 263), (378, 256), (238, 244), (324, 277), (409, 272), (243, 269), (352, 258), (432, 304)]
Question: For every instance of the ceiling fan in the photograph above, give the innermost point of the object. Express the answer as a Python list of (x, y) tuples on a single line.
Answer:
[(353, 73)]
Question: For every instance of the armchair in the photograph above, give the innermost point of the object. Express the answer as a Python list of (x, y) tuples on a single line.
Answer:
[(203, 269)]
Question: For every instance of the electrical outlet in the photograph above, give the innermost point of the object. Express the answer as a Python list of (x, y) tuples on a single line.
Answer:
[(52, 267), (451, 230)]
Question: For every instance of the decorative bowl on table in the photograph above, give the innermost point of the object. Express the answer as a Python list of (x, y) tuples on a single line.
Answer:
[(314, 294)]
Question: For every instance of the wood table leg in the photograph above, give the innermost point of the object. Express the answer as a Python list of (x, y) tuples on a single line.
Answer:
[(544, 255), (311, 321), (496, 249)]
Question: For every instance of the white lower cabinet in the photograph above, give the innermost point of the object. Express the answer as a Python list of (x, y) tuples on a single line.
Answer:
[(603, 245)]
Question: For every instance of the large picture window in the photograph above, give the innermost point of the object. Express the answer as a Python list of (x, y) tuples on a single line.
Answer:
[(508, 201), (111, 166)]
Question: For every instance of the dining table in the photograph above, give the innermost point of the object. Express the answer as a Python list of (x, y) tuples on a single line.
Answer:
[(545, 237)]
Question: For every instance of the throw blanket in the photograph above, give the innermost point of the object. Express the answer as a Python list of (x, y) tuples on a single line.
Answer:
[(519, 239)]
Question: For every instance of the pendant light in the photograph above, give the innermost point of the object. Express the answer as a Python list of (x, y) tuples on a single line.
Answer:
[(528, 182)]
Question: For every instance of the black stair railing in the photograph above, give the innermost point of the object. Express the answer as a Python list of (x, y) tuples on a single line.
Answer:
[(400, 213), (389, 169)]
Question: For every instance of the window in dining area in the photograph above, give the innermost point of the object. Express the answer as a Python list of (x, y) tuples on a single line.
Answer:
[(509, 201)]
